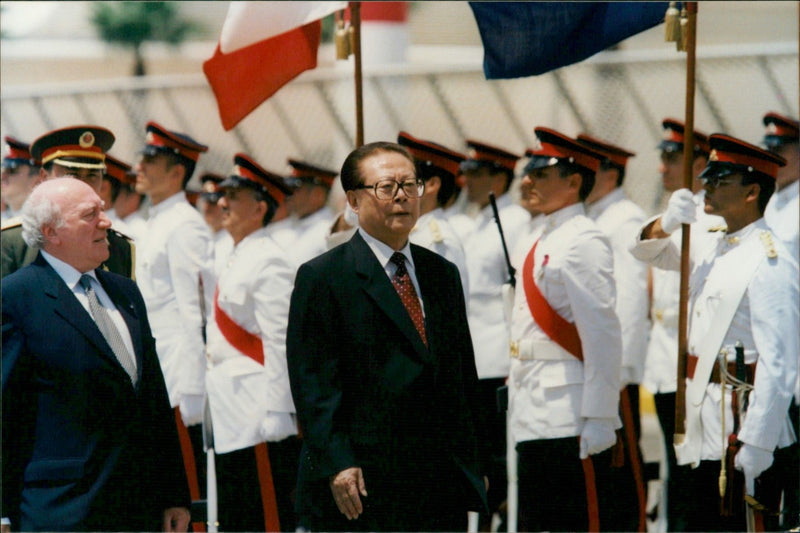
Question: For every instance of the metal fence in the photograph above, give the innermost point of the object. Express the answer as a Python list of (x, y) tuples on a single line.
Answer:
[(619, 96)]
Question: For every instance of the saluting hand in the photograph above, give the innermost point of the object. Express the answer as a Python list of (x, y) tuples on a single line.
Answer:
[(346, 487)]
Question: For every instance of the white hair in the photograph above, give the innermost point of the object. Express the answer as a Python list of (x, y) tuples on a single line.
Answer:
[(39, 210)]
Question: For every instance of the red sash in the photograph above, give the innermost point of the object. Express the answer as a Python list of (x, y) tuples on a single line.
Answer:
[(241, 339), (563, 333)]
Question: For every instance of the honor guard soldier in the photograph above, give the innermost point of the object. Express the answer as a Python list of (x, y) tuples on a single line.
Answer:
[(310, 215), (782, 212), (782, 216), (130, 206), (209, 207), (113, 178), (79, 152), (437, 166), (19, 175), (741, 366), (618, 217), (660, 371), (566, 348), (249, 397), (175, 275), (489, 169)]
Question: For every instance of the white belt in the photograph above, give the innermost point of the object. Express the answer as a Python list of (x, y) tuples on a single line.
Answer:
[(534, 350)]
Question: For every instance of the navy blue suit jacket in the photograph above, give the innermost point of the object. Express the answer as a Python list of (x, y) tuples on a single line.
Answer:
[(369, 393), (82, 448)]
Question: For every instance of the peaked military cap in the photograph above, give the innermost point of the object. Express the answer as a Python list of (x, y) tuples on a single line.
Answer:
[(308, 173), (479, 154), (730, 155), (17, 153), (554, 148), (159, 140), (248, 173), (780, 130), (74, 147), (431, 153), (118, 170), (615, 154), (674, 134), (210, 189)]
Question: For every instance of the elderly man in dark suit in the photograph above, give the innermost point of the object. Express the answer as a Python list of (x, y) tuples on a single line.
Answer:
[(382, 368), (89, 439)]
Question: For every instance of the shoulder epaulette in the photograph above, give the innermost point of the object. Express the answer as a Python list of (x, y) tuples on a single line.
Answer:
[(12, 222), (437, 233), (769, 245)]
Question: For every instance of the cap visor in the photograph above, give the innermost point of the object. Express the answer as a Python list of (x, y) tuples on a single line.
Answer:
[(716, 169), (540, 161)]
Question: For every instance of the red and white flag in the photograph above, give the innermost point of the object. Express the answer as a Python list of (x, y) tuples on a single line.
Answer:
[(262, 47)]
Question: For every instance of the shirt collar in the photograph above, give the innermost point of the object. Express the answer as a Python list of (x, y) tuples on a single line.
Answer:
[(556, 219), (66, 272), (596, 209), (383, 252), (177, 198)]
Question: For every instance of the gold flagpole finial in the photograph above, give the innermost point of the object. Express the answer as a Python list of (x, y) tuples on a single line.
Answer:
[(343, 37)]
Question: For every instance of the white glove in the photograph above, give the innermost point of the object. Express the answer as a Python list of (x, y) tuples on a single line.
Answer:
[(278, 426), (681, 209), (597, 435), (191, 407), (752, 460)]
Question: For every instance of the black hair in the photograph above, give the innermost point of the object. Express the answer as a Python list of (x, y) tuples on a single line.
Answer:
[(607, 164), (350, 175), (766, 185), (447, 188), (566, 168)]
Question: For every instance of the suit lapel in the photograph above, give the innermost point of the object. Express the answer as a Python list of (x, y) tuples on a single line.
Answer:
[(377, 285), (67, 306)]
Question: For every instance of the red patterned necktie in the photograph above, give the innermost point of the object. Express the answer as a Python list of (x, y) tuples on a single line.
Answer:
[(402, 284)]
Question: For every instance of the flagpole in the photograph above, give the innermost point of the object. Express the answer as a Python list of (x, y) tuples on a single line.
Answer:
[(688, 177), (355, 19)]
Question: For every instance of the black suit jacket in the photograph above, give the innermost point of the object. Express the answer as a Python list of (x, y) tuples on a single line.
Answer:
[(82, 448), (368, 392)]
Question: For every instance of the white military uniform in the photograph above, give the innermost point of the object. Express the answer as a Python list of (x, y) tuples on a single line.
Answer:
[(488, 272), (309, 235), (783, 217), (661, 362), (744, 289), (434, 232), (223, 247), (137, 225), (171, 261), (249, 402), (619, 218), (551, 392)]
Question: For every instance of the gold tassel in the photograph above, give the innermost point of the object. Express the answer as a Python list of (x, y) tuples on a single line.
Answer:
[(684, 31), (342, 40), (672, 29), (351, 39)]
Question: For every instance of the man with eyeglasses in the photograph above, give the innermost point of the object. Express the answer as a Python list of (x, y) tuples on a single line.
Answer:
[(78, 152), (743, 318), (381, 368)]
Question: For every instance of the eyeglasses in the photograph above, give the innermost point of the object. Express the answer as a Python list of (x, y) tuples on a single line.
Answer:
[(387, 189), (716, 181)]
